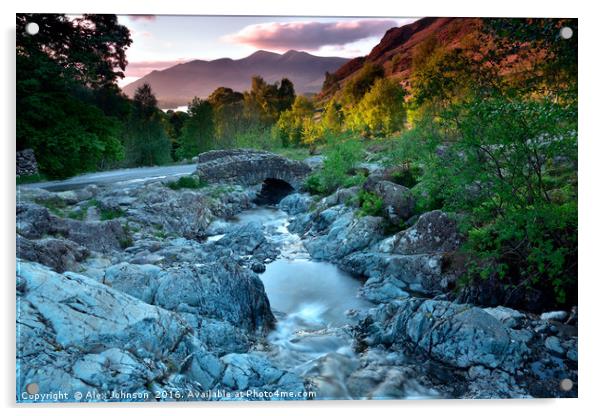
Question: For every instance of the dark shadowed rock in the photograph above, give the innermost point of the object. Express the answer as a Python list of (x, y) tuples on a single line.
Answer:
[(221, 290), (249, 167), (434, 232), (33, 221), (57, 253), (398, 202)]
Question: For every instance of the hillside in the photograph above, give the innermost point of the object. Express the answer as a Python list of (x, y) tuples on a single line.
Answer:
[(395, 50), (177, 85)]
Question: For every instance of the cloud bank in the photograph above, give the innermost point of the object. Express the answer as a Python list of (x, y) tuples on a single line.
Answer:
[(309, 35)]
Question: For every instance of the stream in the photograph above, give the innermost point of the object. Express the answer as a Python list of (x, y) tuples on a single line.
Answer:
[(314, 303)]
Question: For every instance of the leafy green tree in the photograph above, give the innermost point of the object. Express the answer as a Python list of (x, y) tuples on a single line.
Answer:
[(333, 118), (147, 143), (198, 131), (223, 96), (174, 124), (361, 83), (291, 124), (69, 111), (381, 111), (286, 95)]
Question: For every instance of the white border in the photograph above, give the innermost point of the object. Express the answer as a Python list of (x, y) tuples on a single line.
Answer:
[(590, 230)]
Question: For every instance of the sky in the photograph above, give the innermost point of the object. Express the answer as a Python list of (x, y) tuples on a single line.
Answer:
[(163, 41)]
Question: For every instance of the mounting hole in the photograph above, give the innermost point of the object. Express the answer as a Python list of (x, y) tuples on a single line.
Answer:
[(566, 385), (32, 28), (32, 388), (566, 32)]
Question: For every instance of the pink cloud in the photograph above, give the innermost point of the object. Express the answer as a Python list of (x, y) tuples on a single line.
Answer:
[(141, 68), (142, 16), (309, 35)]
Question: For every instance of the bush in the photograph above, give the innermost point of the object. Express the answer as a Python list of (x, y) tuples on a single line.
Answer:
[(533, 249), (341, 158), (313, 185), (188, 182), (370, 204)]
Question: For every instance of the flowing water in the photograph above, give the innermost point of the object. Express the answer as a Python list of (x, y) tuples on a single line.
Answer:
[(314, 303)]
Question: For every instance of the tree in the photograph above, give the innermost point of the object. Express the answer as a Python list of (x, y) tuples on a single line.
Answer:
[(174, 124), (198, 131), (381, 112), (292, 123), (69, 110), (332, 118), (224, 96), (264, 102), (147, 143), (361, 83), (286, 95)]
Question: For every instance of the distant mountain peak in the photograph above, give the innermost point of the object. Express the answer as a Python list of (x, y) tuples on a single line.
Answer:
[(177, 85)]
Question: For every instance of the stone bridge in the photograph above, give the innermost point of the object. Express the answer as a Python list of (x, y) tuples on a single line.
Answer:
[(250, 167)]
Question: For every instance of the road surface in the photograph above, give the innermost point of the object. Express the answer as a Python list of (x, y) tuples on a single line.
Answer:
[(125, 176)]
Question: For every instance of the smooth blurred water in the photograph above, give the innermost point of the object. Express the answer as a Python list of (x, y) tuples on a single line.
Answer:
[(314, 303)]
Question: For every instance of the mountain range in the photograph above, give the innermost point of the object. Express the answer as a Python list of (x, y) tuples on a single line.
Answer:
[(177, 85)]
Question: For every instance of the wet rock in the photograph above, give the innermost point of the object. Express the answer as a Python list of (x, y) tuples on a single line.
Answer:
[(254, 373), (423, 272), (70, 326), (296, 203), (346, 234), (244, 240)]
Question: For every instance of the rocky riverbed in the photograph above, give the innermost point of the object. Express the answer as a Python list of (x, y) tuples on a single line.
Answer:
[(200, 294)]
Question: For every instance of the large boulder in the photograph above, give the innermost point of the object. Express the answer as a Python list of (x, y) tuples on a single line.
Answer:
[(434, 232), (221, 290), (415, 259), (75, 334), (398, 201), (295, 203), (456, 334), (249, 167), (345, 234)]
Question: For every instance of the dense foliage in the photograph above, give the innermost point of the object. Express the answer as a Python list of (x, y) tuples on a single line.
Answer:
[(66, 74)]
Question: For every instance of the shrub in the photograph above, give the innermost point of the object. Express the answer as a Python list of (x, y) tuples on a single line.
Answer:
[(370, 204), (187, 182), (313, 185), (111, 214)]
